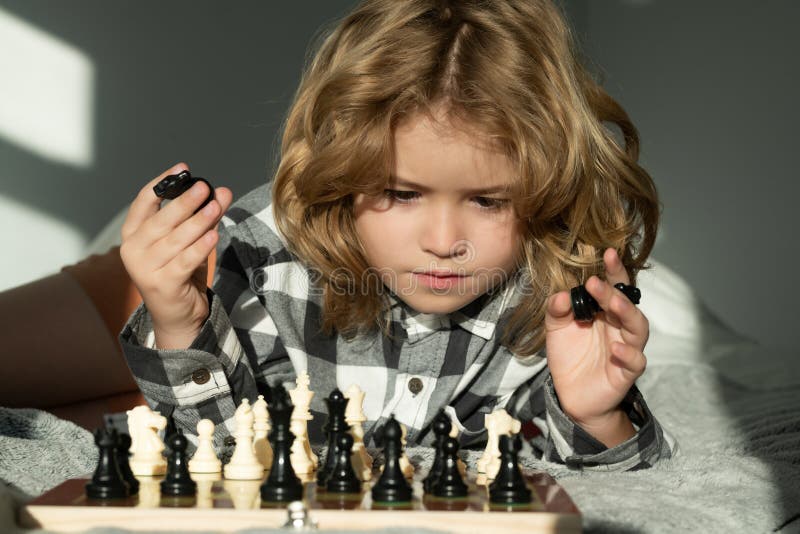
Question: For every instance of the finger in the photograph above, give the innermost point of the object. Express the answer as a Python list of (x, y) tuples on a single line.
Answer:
[(620, 312), (192, 229), (182, 266), (146, 203), (615, 270), (627, 358)]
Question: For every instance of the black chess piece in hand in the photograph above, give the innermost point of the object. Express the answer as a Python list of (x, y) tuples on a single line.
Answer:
[(123, 452), (282, 484), (107, 481), (449, 484), (392, 486), (342, 478), (178, 482), (335, 427), (509, 485), (441, 426)]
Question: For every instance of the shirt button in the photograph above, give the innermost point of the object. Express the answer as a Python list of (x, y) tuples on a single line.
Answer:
[(415, 385), (201, 376)]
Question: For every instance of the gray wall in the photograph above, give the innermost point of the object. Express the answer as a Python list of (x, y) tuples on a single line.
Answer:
[(709, 85), (712, 88)]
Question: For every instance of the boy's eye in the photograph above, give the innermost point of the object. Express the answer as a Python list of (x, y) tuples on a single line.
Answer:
[(402, 196), (491, 203)]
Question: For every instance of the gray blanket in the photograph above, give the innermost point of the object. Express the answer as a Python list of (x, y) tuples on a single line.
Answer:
[(733, 407)]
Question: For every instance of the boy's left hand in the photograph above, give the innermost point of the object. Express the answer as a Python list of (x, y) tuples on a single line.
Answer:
[(593, 365)]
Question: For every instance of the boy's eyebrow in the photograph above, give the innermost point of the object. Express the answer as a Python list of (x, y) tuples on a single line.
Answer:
[(394, 180)]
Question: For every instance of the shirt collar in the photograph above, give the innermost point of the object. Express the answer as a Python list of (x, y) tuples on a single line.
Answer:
[(479, 317)]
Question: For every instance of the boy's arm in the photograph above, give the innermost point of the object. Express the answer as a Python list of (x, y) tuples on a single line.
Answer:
[(209, 378), (566, 442)]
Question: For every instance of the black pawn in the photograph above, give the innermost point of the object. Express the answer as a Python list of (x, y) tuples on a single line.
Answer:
[(335, 427), (441, 429), (392, 486), (343, 478), (107, 481), (282, 484), (450, 485), (177, 481), (509, 485), (123, 452)]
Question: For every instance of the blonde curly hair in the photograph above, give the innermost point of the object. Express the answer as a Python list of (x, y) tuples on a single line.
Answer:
[(509, 69)]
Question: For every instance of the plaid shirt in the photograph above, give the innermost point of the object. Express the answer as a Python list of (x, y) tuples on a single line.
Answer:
[(263, 329)]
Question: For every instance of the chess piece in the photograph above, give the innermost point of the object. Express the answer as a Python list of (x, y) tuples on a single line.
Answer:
[(123, 452), (335, 426), (509, 486), (303, 460), (449, 484), (462, 468), (146, 446), (177, 482), (392, 486), (354, 416), (149, 492), (343, 478), (205, 458), (282, 484), (261, 430), (405, 465), (107, 481), (441, 428), (497, 424), (243, 464)]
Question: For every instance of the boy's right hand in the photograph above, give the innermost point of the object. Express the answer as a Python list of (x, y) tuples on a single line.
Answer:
[(165, 252)]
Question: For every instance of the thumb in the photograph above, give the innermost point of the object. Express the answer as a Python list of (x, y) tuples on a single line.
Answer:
[(559, 310)]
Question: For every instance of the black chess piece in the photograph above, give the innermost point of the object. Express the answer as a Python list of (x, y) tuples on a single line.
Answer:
[(585, 307), (343, 478), (449, 484), (335, 427), (123, 452), (441, 426), (107, 481), (175, 185), (509, 486), (282, 484), (392, 486), (178, 482)]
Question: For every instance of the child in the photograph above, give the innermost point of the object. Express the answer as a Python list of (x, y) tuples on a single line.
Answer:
[(445, 179)]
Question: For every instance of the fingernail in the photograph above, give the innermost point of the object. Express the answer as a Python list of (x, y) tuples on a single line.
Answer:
[(197, 190)]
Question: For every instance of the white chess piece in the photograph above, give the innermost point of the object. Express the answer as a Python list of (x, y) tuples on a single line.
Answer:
[(146, 447), (244, 465), (354, 416), (205, 458), (405, 464), (462, 468), (261, 428), (498, 423), (302, 457)]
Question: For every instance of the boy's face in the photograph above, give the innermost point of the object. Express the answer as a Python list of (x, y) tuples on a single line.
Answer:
[(442, 222)]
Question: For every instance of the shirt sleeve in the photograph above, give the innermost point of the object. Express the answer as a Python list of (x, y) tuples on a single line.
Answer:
[(211, 377), (564, 441)]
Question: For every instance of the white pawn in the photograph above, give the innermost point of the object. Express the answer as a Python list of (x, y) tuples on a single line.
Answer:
[(261, 428), (354, 416), (302, 457), (205, 459), (244, 465), (146, 447), (498, 423)]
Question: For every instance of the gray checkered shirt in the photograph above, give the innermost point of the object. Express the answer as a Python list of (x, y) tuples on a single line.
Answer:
[(264, 328)]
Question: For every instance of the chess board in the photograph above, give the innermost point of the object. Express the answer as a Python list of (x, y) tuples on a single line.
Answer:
[(228, 505)]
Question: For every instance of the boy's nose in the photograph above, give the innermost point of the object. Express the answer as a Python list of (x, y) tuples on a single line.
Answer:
[(442, 232)]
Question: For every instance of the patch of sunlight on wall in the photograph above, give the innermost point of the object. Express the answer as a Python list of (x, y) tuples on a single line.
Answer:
[(36, 244), (46, 94)]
